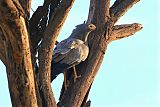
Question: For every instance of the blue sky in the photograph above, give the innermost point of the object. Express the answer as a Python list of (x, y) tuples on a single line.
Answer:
[(129, 75)]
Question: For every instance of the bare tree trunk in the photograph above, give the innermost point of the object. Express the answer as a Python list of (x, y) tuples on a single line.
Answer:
[(18, 56), (29, 83)]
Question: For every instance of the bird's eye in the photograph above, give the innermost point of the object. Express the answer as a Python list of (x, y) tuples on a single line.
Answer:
[(90, 26)]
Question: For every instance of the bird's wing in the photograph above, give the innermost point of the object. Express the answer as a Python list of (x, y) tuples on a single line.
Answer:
[(64, 46), (70, 52)]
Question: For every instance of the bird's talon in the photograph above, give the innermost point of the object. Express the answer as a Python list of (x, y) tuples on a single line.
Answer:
[(75, 78), (66, 85), (79, 76)]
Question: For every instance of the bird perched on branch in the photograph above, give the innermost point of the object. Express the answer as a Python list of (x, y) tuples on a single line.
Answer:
[(71, 51)]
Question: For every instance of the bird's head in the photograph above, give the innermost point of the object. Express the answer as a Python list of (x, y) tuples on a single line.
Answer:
[(82, 31), (85, 27), (91, 27)]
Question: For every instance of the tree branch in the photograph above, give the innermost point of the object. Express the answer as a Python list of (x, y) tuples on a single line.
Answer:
[(104, 17), (39, 21), (120, 7), (123, 31), (2, 48), (88, 104), (19, 66), (26, 5), (45, 53)]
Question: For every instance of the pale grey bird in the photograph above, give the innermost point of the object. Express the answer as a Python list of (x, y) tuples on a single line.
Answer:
[(71, 51)]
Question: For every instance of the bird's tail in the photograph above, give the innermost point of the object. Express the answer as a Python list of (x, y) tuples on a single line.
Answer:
[(56, 69)]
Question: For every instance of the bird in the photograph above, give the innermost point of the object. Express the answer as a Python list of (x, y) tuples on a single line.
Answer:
[(71, 51)]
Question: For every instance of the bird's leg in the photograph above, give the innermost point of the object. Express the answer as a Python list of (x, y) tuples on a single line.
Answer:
[(75, 74), (65, 81)]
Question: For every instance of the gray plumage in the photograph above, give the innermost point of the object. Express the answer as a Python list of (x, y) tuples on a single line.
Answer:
[(72, 50)]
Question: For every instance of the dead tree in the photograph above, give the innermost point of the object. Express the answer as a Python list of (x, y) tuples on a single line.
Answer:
[(21, 38)]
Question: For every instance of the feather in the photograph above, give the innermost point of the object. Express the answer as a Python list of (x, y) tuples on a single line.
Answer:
[(72, 50)]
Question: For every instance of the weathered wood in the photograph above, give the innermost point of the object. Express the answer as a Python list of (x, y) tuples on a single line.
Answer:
[(2, 47), (38, 23), (120, 7), (45, 52), (123, 31), (26, 5), (19, 66)]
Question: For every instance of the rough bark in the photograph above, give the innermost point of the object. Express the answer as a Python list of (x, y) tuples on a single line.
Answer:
[(2, 48), (122, 31), (21, 39), (120, 7), (26, 5), (45, 52), (19, 66)]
